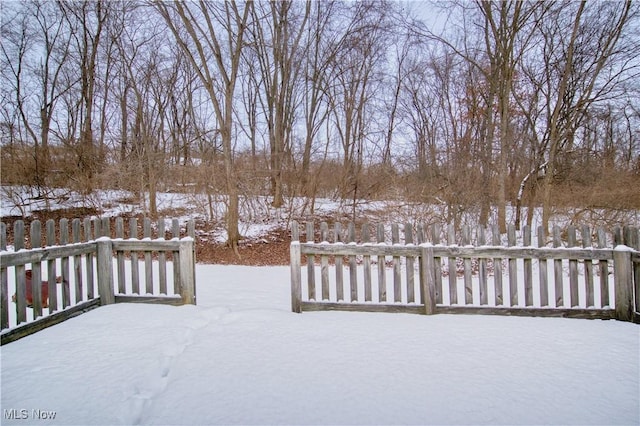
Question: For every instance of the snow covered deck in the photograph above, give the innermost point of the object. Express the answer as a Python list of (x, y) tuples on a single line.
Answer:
[(241, 357)]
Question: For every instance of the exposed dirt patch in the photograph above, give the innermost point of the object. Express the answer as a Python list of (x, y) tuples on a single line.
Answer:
[(270, 249)]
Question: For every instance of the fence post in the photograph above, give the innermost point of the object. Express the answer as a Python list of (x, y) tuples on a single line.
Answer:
[(623, 281), (21, 280), (427, 281), (105, 270), (296, 273), (36, 286), (296, 277), (187, 274), (4, 282), (635, 265)]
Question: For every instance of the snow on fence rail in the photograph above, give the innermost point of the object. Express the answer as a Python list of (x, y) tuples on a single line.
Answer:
[(92, 268), (424, 276)]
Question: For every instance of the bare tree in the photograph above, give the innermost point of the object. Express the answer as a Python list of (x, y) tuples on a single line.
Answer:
[(277, 30), (88, 20), (214, 32), (576, 78), (36, 80), (355, 72), (147, 78), (508, 28), (250, 91), (314, 94), (403, 45)]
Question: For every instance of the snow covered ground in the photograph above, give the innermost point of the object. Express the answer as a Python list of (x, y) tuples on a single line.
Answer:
[(241, 357)]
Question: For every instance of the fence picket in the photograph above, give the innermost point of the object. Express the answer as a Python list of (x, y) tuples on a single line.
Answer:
[(573, 267), (468, 287), (51, 268), (420, 234), (88, 236), (296, 268), (36, 272), (97, 228), (21, 281), (382, 274), (148, 266), (618, 236), (337, 235), (397, 272), (588, 268), (482, 269), (627, 236), (603, 265), (162, 259), (191, 228), (77, 261), (528, 268), (353, 265), (324, 263), (451, 261), (311, 275), (366, 261), (135, 272), (120, 257), (408, 239), (64, 264), (420, 239), (106, 227), (497, 267), (4, 282), (437, 262), (175, 233), (542, 269), (295, 231), (557, 270), (513, 267)]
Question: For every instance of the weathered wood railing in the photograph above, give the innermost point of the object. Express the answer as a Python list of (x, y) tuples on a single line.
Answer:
[(92, 269), (410, 277)]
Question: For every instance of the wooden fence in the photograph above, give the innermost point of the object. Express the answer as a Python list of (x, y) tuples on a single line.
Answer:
[(94, 267), (483, 275)]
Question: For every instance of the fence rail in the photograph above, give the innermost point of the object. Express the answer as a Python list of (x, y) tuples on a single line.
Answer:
[(95, 268), (417, 275)]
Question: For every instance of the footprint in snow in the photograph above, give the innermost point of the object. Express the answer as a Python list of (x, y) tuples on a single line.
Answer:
[(142, 397), (138, 403)]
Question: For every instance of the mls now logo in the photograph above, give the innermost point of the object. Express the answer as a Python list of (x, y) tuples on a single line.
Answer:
[(23, 414)]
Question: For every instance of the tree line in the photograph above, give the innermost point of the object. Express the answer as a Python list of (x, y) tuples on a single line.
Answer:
[(476, 105)]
